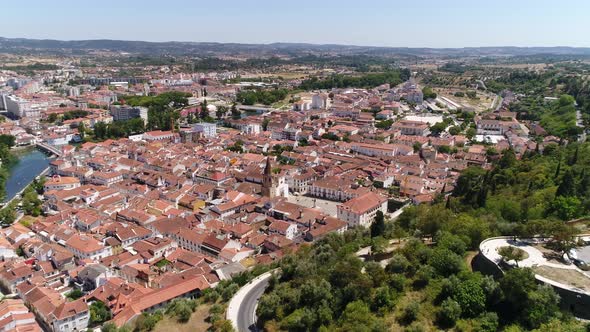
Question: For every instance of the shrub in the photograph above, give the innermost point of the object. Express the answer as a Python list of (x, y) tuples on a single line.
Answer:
[(410, 312), (398, 264), (445, 262), (449, 313), (147, 322), (182, 309)]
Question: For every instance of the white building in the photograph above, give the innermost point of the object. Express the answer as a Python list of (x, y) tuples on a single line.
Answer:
[(381, 149), (123, 113), (74, 91), (250, 128), (86, 246), (70, 316), (16, 106), (289, 230), (361, 211), (61, 183), (320, 101), (158, 135), (208, 130)]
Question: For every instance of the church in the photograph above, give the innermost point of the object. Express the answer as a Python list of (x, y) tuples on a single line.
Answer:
[(273, 185)]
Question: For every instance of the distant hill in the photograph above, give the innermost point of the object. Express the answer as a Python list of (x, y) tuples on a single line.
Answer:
[(23, 45)]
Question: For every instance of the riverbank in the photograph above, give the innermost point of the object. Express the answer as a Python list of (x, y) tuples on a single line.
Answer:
[(30, 163)]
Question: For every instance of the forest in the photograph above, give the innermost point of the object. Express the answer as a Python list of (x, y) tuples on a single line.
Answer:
[(161, 108), (370, 80), (261, 96), (558, 118), (6, 160), (428, 283)]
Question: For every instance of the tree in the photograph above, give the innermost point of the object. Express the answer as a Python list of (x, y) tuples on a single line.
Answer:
[(182, 309), (430, 219), (223, 325), (449, 313), (220, 112), (383, 300), (31, 203), (74, 294), (100, 130), (301, 319), (265, 123), (508, 159), (445, 262), (378, 226), (584, 186), (428, 93), (516, 284), (471, 296), (378, 245), (469, 185), (385, 124), (235, 113), (99, 313), (51, 118), (487, 322), (204, 110), (574, 159), (358, 317), (109, 327), (8, 214), (510, 253), (416, 146), (82, 130), (564, 238), (567, 187), (557, 171), (438, 128), (542, 305), (7, 140), (567, 208), (452, 242), (398, 264), (410, 312), (455, 130), (482, 196), (147, 322)]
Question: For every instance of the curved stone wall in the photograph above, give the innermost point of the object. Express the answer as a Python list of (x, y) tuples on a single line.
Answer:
[(574, 300)]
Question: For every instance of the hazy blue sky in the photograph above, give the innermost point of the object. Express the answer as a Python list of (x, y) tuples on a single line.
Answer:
[(412, 23)]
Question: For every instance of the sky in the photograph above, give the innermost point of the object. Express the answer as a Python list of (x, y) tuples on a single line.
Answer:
[(409, 23)]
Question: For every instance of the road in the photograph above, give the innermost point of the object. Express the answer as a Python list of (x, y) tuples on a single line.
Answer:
[(242, 307)]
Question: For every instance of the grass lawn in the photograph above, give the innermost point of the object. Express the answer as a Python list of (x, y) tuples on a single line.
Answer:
[(564, 276), (196, 323)]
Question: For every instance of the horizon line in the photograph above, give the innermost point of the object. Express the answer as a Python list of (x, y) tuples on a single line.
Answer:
[(294, 43)]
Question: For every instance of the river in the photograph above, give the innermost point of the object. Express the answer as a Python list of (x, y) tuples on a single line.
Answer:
[(31, 162)]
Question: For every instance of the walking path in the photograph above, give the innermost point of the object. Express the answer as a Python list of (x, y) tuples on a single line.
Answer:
[(490, 249)]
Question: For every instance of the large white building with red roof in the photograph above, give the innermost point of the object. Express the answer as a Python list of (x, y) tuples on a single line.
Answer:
[(361, 211)]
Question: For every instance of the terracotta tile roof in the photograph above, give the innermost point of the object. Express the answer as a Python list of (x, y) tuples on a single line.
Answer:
[(364, 203), (69, 309)]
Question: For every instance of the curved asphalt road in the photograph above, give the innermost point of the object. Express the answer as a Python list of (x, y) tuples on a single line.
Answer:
[(242, 307), (247, 310)]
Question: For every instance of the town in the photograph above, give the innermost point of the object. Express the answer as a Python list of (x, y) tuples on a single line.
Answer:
[(162, 183)]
